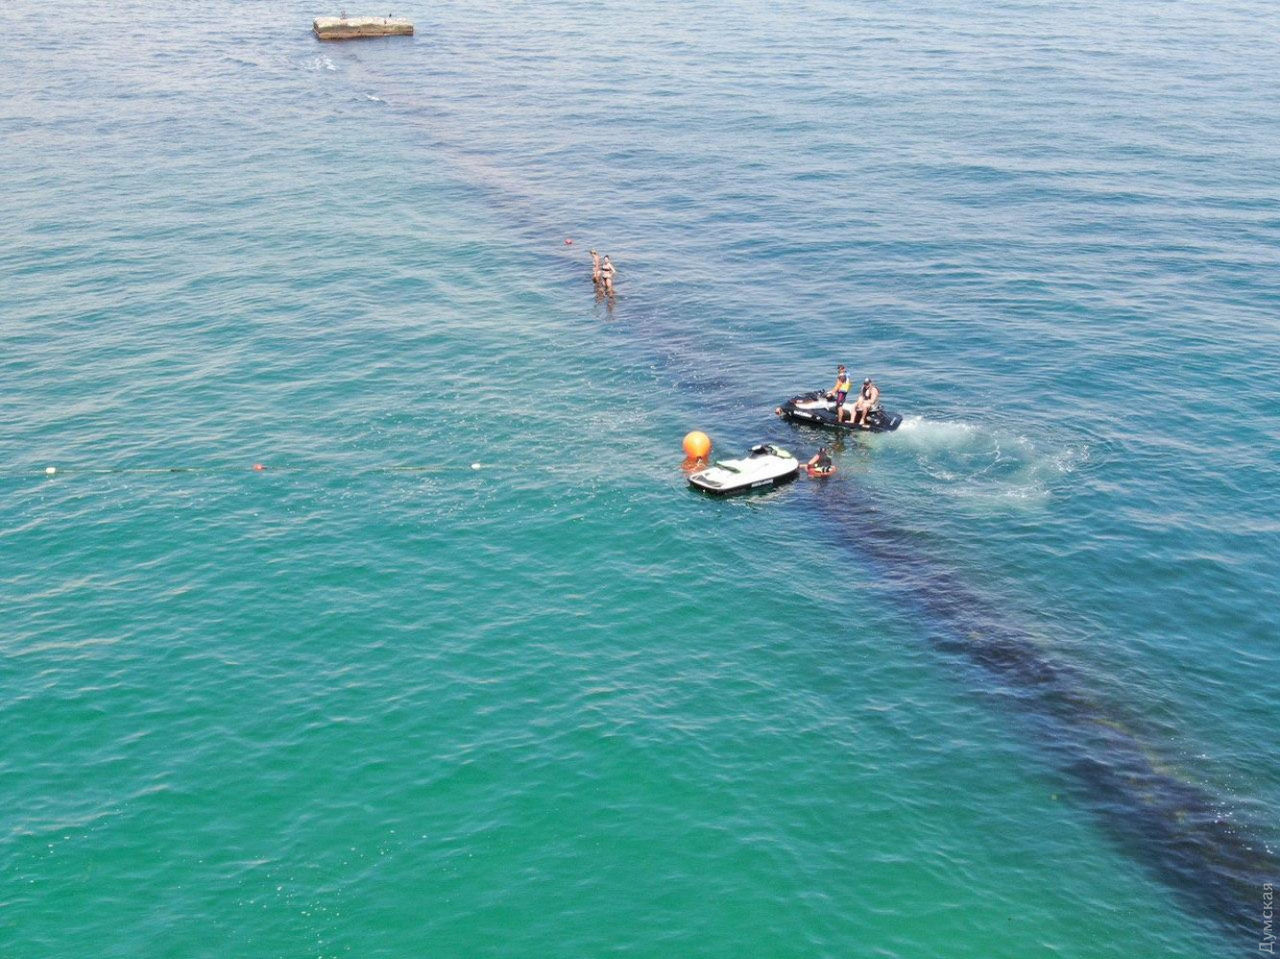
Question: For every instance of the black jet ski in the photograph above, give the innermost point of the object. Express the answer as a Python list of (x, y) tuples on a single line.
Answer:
[(817, 410), (765, 466)]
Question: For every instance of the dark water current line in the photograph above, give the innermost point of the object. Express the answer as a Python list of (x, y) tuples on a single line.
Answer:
[(1181, 832)]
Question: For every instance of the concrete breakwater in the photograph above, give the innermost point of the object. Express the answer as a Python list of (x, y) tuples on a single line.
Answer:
[(349, 28)]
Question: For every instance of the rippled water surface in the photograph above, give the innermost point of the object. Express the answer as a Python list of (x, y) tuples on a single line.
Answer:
[(464, 669)]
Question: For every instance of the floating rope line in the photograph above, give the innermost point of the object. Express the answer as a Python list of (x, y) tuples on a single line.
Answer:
[(52, 472)]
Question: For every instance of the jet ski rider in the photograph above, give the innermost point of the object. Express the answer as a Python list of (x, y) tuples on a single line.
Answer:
[(868, 400), (840, 391)]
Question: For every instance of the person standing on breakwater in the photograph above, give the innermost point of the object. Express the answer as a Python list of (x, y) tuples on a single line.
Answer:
[(607, 270), (595, 269)]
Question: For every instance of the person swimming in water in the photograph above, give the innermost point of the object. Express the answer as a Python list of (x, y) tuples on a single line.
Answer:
[(868, 401), (595, 269)]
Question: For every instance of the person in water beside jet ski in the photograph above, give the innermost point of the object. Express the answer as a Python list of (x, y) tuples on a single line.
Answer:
[(821, 462), (840, 391), (868, 400)]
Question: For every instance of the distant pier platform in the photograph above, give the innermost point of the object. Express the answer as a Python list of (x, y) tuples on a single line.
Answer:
[(349, 28)]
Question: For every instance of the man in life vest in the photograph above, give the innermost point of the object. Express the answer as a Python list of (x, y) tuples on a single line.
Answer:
[(868, 400), (840, 391), (821, 462)]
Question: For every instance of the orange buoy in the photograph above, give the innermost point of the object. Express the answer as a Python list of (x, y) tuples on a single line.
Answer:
[(697, 445)]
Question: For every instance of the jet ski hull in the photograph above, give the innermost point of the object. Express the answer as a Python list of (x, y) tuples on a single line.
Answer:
[(765, 468), (757, 486), (814, 410)]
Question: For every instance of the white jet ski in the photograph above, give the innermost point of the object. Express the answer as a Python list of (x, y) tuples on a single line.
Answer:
[(765, 466)]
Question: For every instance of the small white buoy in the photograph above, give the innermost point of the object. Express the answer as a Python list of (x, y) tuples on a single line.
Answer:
[(475, 466), (50, 470)]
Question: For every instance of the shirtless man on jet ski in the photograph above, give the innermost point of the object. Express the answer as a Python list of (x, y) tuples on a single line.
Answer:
[(868, 399)]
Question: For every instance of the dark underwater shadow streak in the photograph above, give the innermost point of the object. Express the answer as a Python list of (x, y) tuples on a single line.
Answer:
[(1179, 831), (1175, 829)]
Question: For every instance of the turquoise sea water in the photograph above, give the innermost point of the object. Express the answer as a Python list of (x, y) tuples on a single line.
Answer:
[(1002, 687)]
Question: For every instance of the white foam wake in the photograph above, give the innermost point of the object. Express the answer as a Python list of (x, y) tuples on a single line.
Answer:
[(973, 461)]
